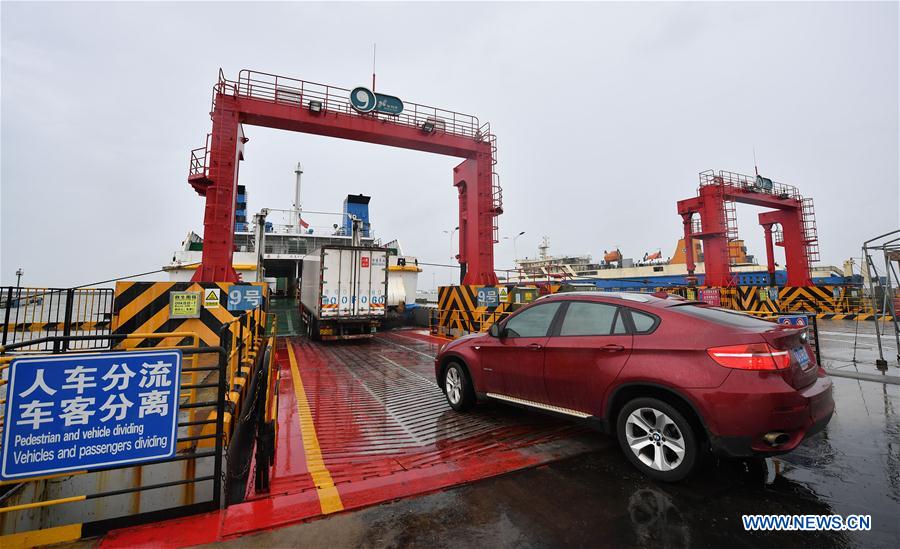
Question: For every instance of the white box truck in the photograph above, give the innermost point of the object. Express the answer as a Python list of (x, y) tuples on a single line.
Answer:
[(343, 291)]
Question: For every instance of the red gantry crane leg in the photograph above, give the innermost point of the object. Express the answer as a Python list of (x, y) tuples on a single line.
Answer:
[(219, 187), (273, 101), (474, 182)]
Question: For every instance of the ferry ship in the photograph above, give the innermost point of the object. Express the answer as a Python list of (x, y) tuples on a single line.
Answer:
[(616, 272), (287, 236)]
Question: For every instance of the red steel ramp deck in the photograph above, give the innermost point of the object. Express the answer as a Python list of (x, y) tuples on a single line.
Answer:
[(361, 423)]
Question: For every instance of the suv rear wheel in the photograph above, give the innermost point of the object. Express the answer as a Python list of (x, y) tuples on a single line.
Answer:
[(657, 439), (458, 387)]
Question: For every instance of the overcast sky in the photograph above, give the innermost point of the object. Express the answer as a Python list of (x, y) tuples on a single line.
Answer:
[(605, 113)]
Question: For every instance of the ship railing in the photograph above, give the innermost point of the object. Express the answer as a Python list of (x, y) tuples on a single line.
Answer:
[(243, 342), (455, 323), (267, 412), (201, 439), (199, 164), (30, 314), (249, 343), (747, 183), (221, 387), (299, 93)]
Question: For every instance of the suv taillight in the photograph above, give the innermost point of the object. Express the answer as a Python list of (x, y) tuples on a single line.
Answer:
[(751, 356)]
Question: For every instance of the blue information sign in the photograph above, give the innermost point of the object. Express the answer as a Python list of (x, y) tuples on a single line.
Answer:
[(488, 296), (365, 100), (244, 297), (388, 104), (82, 412), (793, 320)]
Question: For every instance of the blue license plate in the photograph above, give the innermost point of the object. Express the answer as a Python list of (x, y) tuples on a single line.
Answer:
[(801, 356)]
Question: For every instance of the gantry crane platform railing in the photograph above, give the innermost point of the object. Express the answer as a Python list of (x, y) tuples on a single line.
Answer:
[(791, 220)]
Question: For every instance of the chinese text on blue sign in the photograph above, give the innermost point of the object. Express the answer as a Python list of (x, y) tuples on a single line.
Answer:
[(81, 412), (244, 297)]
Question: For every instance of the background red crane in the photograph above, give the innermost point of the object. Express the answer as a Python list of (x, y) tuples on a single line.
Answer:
[(717, 225)]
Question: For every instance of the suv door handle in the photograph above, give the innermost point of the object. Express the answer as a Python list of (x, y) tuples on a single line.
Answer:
[(535, 346), (612, 348)]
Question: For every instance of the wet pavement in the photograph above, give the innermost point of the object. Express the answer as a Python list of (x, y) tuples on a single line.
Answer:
[(364, 422), (596, 498), (851, 348), (370, 455)]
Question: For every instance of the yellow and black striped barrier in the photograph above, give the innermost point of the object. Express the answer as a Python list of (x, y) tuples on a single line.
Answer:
[(86, 326), (853, 316), (459, 312), (145, 307), (826, 302), (819, 299)]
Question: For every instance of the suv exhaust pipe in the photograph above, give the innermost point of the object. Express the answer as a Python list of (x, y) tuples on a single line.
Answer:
[(776, 438)]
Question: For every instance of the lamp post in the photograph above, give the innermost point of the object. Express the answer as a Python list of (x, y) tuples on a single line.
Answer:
[(515, 248), (451, 233), (19, 273)]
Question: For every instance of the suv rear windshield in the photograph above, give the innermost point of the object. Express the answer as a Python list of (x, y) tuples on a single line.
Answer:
[(722, 316)]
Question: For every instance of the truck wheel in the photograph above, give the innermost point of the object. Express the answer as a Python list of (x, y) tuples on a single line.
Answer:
[(657, 439), (458, 387)]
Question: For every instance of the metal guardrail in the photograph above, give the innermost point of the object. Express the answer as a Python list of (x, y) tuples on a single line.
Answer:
[(244, 342), (29, 314), (194, 433), (295, 92), (242, 388), (199, 165), (239, 340), (747, 183), (455, 323), (267, 414)]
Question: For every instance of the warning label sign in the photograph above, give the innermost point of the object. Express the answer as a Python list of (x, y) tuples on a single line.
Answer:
[(211, 298), (504, 295)]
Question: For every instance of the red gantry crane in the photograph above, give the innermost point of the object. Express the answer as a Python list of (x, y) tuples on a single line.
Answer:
[(717, 225), (262, 99)]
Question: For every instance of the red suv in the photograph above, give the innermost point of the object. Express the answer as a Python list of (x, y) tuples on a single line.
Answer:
[(671, 378)]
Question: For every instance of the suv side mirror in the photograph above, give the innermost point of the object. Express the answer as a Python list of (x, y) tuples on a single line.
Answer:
[(496, 331)]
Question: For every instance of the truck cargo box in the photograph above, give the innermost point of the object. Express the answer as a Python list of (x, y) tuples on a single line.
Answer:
[(343, 284)]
